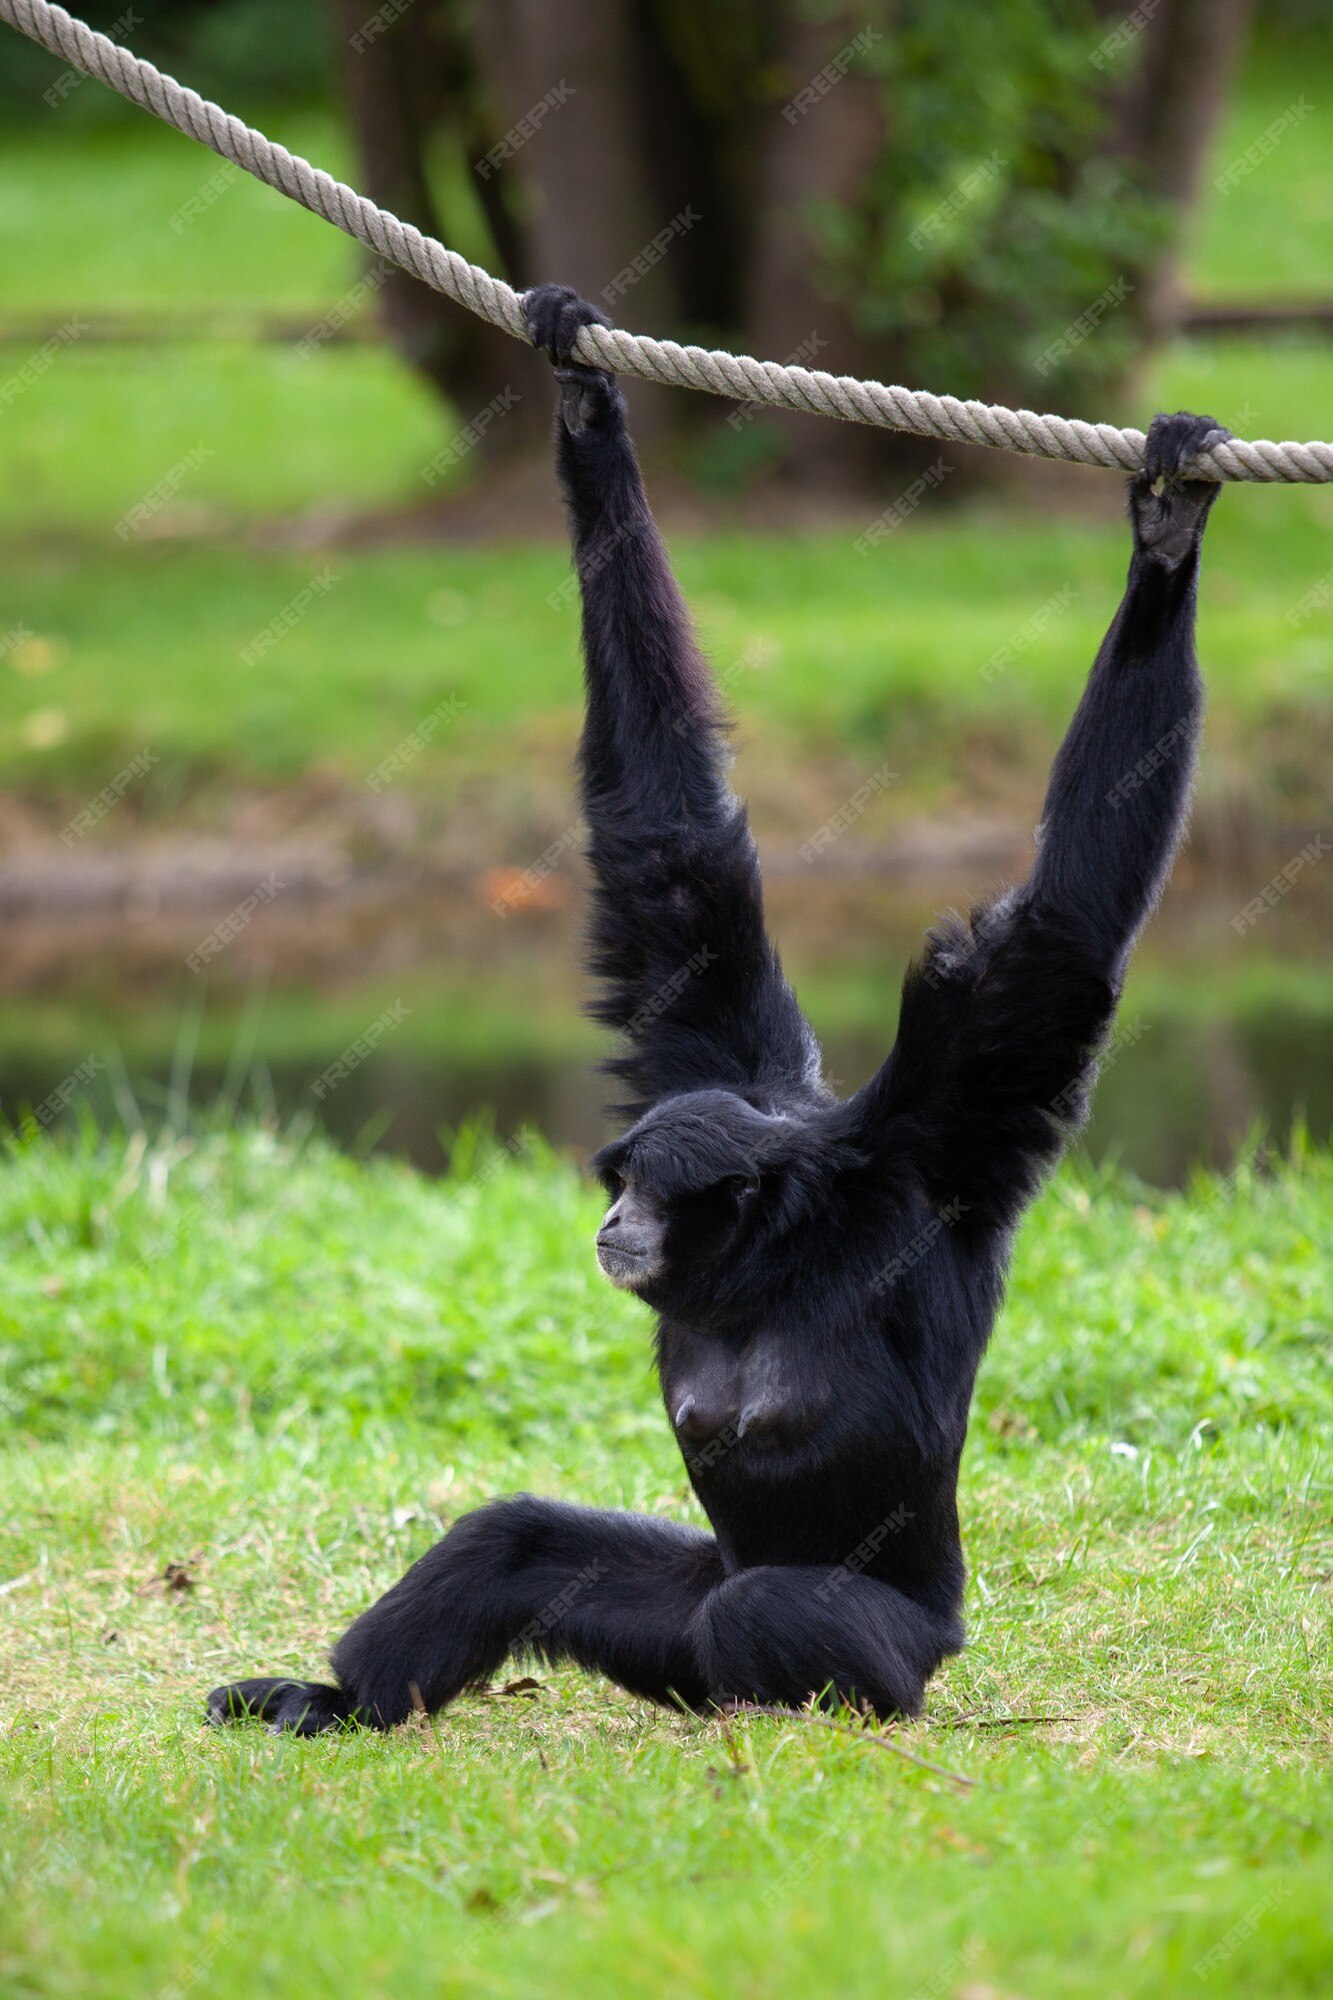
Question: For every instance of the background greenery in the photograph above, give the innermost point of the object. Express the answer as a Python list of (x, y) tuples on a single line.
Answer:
[(835, 664), (144, 635)]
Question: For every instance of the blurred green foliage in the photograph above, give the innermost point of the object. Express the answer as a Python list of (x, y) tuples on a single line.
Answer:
[(251, 50), (995, 214), (992, 217)]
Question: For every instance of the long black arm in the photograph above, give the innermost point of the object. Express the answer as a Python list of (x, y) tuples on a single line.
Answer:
[(1003, 1020), (688, 974)]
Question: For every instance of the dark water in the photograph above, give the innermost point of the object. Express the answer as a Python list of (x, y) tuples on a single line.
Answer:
[(1181, 1096), (1221, 1034)]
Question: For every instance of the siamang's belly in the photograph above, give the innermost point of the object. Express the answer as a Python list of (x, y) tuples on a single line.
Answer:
[(789, 1467)]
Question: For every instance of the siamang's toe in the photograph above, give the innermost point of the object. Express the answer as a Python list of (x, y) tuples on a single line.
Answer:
[(302, 1708), (555, 315), (1174, 440), (244, 1701)]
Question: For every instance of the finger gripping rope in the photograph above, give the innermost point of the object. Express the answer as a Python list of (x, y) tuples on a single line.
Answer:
[(721, 374)]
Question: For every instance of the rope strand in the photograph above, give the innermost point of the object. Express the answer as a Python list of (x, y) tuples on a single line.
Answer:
[(710, 369)]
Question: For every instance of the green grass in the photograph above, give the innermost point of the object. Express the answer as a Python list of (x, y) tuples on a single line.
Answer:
[(289, 1372), (1271, 233), (104, 424), (249, 249), (144, 648)]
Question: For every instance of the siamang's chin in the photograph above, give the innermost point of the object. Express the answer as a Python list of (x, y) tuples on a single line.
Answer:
[(624, 1268)]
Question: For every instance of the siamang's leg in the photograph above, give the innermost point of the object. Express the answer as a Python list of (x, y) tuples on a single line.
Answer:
[(1120, 784), (644, 1602), (678, 923), (782, 1635), (614, 1592)]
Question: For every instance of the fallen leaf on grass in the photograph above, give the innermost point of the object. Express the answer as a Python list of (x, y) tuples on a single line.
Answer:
[(175, 1577), (526, 1686)]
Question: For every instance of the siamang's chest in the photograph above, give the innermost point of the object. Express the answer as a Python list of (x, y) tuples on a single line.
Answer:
[(757, 1395)]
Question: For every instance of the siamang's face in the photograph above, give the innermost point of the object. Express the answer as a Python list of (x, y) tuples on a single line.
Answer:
[(646, 1236), (688, 1187), (631, 1243)]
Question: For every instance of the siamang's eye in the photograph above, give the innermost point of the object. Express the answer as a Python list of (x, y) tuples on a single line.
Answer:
[(743, 1187), (614, 1185)]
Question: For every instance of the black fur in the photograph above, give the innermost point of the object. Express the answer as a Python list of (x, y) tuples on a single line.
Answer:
[(831, 1270)]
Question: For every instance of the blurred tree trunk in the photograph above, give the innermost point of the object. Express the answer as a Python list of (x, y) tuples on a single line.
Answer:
[(571, 74), (1168, 113), (401, 82), (810, 155)]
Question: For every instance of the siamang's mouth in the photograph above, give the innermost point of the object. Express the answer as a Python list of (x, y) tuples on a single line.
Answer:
[(622, 1266)]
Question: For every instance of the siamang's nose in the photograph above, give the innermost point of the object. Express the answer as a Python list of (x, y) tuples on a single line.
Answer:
[(697, 1421), (623, 1229)]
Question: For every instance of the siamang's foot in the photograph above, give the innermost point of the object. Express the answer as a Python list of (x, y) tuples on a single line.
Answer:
[(1168, 511), (303, 1708), (555, 315)]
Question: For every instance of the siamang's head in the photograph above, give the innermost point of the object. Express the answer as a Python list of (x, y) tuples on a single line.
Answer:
[(698, 1186)]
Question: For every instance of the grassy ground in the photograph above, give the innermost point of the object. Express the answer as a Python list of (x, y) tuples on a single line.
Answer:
[(1270, 233), (820, 650), (286, 1372)]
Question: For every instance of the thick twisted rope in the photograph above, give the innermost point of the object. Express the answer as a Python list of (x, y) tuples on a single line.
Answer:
[(635, 354)]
